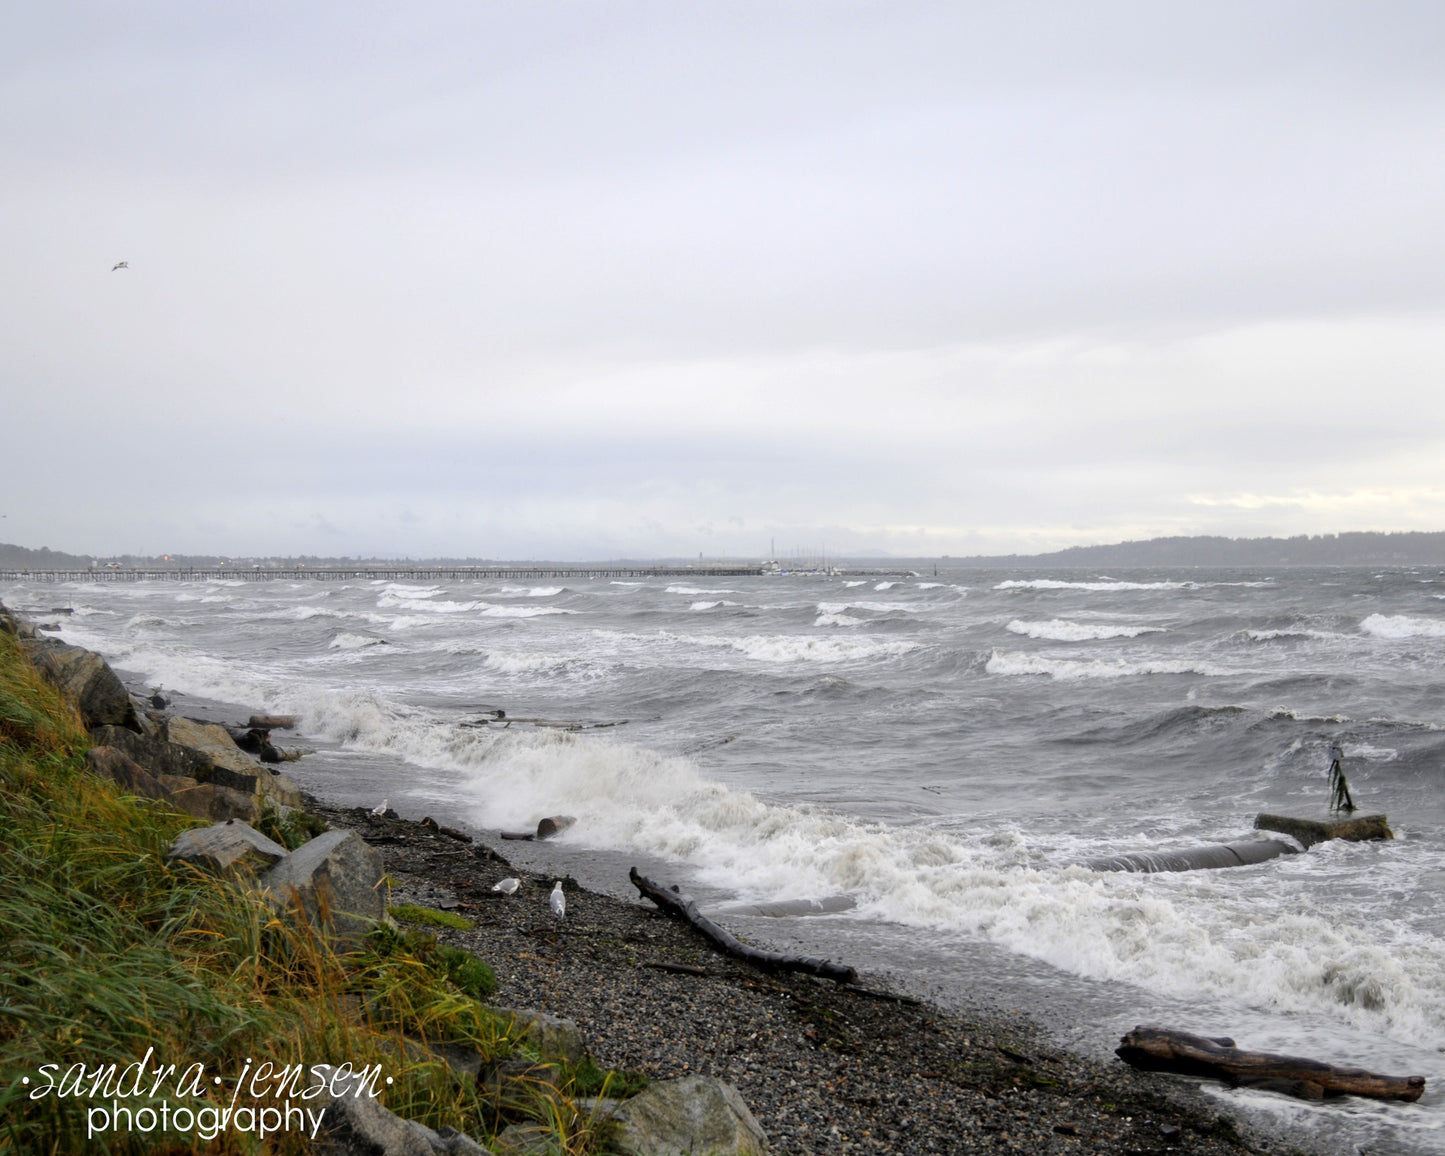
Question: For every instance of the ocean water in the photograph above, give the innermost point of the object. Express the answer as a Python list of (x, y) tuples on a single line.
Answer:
[(939, 754)]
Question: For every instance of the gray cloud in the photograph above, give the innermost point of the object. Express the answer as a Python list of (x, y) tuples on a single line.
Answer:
[(591, 277)]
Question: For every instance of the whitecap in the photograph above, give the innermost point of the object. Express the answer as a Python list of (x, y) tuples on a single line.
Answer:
[(1395, 626), (1068, 669), (1056, 584), (354, 641), (1061, 630)]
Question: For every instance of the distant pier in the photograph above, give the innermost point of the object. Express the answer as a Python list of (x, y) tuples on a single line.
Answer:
[(387, 573)]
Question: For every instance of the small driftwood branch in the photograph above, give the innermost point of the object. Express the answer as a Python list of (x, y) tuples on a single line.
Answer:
[(681, 907), (678, 968), (1161, 1050)]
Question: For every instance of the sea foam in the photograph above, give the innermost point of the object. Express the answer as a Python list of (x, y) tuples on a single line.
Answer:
[(1061, 630)]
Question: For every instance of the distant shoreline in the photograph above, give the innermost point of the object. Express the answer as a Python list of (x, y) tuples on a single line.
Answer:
[(1355, 548)]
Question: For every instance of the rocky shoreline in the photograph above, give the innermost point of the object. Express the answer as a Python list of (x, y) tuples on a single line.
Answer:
[(824, 1067)]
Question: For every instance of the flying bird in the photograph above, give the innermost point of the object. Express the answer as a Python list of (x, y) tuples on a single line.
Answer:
[(507, 886), (381, 810), (559, 902), (120, 265)]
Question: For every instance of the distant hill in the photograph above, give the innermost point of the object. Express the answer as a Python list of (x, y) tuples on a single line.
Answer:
[(20, 557), (1353, 549)]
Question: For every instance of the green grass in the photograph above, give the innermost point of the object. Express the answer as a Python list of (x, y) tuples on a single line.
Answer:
[(411, 913), (107, 950)]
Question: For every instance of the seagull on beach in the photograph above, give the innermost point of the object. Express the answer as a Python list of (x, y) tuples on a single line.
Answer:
[(507, 886), (559, 902), (120, 265), (381, 810)]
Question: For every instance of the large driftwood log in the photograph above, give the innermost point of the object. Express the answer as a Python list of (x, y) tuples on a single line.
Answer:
[(1244, 852), (681, 907), (1311, 831), (1161, 1050)]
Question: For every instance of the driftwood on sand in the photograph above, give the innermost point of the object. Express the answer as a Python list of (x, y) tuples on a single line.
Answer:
[(681, 907), (1161, 1050)]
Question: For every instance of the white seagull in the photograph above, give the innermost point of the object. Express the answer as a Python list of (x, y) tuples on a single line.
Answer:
[(507, 886), (381, 810), (120, 265), (559, 902)]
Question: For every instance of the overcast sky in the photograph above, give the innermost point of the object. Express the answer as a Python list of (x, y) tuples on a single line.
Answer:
[(585, 280)]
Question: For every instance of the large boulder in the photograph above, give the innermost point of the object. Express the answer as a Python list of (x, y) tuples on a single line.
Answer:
[(682, 1117), (215, 802), (186, 794), (114, 764), (355, 1124), (156, 755), (232, 776), (215, 743), (336, 880), (233, 849), (84, 677), (551, 1037)]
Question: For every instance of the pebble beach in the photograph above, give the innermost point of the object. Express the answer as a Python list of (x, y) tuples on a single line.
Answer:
[(825, 1068)]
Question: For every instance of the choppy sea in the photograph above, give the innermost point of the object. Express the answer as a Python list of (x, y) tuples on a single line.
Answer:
[(940, 754)]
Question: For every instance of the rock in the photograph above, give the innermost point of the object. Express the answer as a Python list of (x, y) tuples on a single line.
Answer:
[(10, 624), (526, 1140), (151, 722), (257, 741), (357, 1125), (183, 792), (215, 802), (694, 1114), (156, 755), (234, 768), (552, 1037), (234, 849), (501, 1084), (114, 764), (335, 879), (85, 678)]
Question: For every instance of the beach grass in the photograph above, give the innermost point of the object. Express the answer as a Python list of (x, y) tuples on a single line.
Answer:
[(110, 954)]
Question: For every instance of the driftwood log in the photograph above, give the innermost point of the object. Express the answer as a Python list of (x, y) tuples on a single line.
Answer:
[(1161, 1050), (681, 907), (1312, 831)]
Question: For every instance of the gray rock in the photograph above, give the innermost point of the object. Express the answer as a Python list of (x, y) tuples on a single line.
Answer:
[(85, 678), (357, 1125), (185, 794), (154, 754), (203, 757), (114, 764), (335, 879), (215, 802), (233, 766), (695, 1114), (234, 849), (552, 1037), (526, 1140)]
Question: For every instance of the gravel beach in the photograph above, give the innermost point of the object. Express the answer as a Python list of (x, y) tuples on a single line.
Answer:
[(824, 1068)]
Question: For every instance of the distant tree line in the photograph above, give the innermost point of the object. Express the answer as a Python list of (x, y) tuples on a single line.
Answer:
[(1351, 549)]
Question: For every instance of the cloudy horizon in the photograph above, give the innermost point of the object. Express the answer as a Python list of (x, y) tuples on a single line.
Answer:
[(590, 280)]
